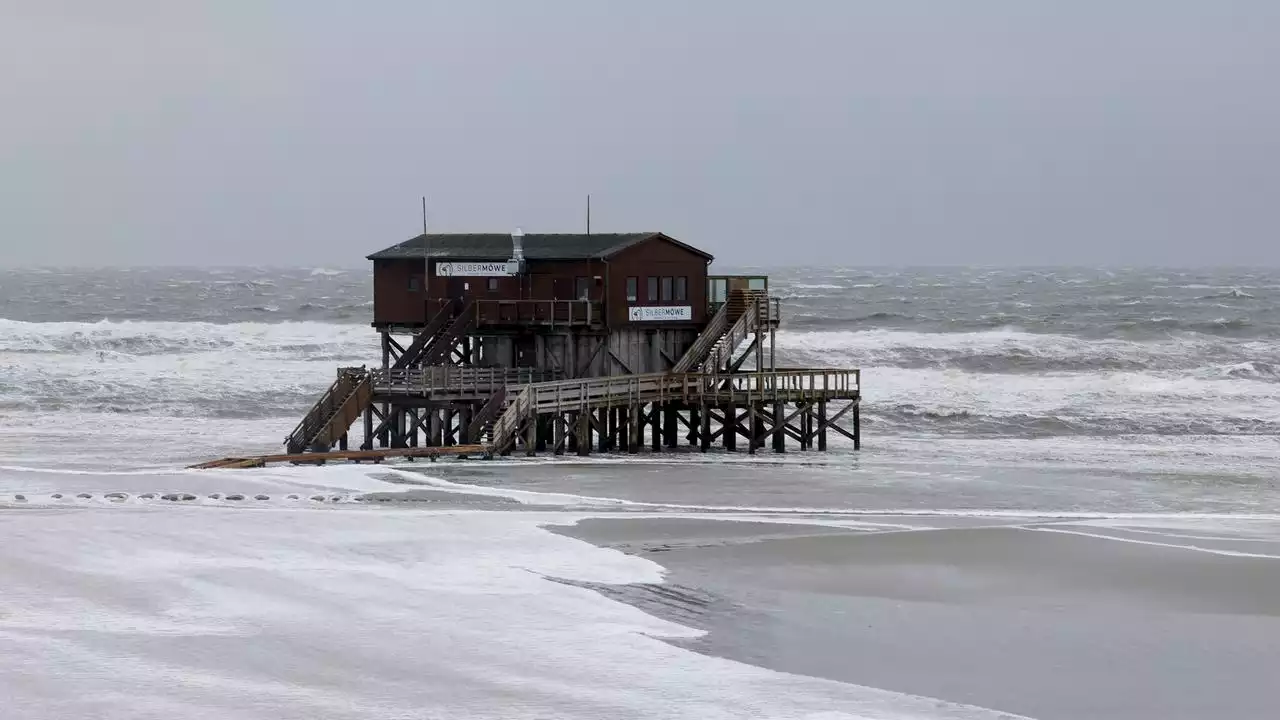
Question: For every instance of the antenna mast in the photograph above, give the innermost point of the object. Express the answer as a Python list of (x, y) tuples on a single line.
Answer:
[(588, 213), (426, 266)]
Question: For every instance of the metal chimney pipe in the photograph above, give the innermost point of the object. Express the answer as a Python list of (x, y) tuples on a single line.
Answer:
[(517, 245)]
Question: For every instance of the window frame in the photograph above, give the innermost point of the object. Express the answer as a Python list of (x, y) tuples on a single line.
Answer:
[(633, 288), (680, 291), (652, 287)]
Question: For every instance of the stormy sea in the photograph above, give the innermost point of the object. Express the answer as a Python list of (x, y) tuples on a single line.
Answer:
[(1067, 505)]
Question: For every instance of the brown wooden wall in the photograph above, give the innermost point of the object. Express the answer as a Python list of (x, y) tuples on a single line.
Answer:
[(393, 301), (657, 258), (399, 297)]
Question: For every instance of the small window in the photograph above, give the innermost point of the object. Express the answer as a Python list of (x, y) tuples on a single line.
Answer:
[(633, 289), (756, 283), (666, 289), (653, 289), (719, 289), (493, 284), (583, 289), (682, 289), (413, 283)]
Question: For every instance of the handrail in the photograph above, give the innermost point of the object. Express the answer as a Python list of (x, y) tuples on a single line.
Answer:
[(764, 311), (437, 323), (532, 311), (584, 393), (448, 377), (445, 340), (706, 342), (348, 382)]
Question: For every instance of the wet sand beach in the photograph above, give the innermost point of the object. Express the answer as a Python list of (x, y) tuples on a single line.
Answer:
[(1058, 620)]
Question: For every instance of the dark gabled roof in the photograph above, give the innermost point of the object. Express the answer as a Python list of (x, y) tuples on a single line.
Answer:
[(537, 246)]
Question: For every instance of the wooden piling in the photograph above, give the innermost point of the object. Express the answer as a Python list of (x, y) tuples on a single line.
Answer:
[(822, 426), (779, 432)]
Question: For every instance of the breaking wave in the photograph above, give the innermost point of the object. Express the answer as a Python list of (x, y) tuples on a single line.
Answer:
[(1014, 351), (305, 340)]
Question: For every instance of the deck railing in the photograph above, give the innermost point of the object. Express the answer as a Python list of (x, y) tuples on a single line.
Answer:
[(746, 387), (420, 381), (538, 312), (692, 387)]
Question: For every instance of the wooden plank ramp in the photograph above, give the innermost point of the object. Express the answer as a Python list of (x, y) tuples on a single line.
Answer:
[(319, 458)]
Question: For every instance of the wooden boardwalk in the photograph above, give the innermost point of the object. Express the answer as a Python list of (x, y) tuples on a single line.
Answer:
[(614, 412), (431, 396)]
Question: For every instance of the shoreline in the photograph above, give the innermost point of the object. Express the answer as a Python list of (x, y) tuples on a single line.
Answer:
[(1048, 625)]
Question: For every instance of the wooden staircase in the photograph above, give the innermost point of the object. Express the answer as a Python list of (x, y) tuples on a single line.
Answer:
[(437, 350), (485, 418), (427, 338), (744, 312), (332, 415)]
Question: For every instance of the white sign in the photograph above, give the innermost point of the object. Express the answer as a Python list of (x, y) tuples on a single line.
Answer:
[(664, 312), (475, 269)]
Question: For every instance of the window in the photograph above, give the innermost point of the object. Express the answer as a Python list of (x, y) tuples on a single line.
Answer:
[(583, 289), (493, 284), (633, 288), (719, 289), (756, 283), (653, 289), (682, 289), (666, 289), (413, 283)]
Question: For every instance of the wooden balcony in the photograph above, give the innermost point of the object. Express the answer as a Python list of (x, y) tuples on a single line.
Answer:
[(543, 313)]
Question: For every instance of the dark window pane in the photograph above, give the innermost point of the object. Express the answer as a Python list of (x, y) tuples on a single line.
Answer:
[(653, 289), (682, 289), (583, 290), (666, 289), (413, 284), (493, 284), (633, 288)]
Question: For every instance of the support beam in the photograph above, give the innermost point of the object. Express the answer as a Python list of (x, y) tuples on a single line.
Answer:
[(557, 434), (531, 436), (857, 424), (655, 427), (779, 425), (822, 426), (584, 432), (635, 428), (704, 427)]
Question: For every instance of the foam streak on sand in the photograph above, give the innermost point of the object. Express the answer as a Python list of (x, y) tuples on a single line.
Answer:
[(355, 612), (1175, 546)]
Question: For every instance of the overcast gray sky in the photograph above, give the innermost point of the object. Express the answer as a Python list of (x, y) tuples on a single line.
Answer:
[(841, 131)]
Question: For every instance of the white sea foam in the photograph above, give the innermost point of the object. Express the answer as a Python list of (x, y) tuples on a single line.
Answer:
[(1007, 347), (362, 612)]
